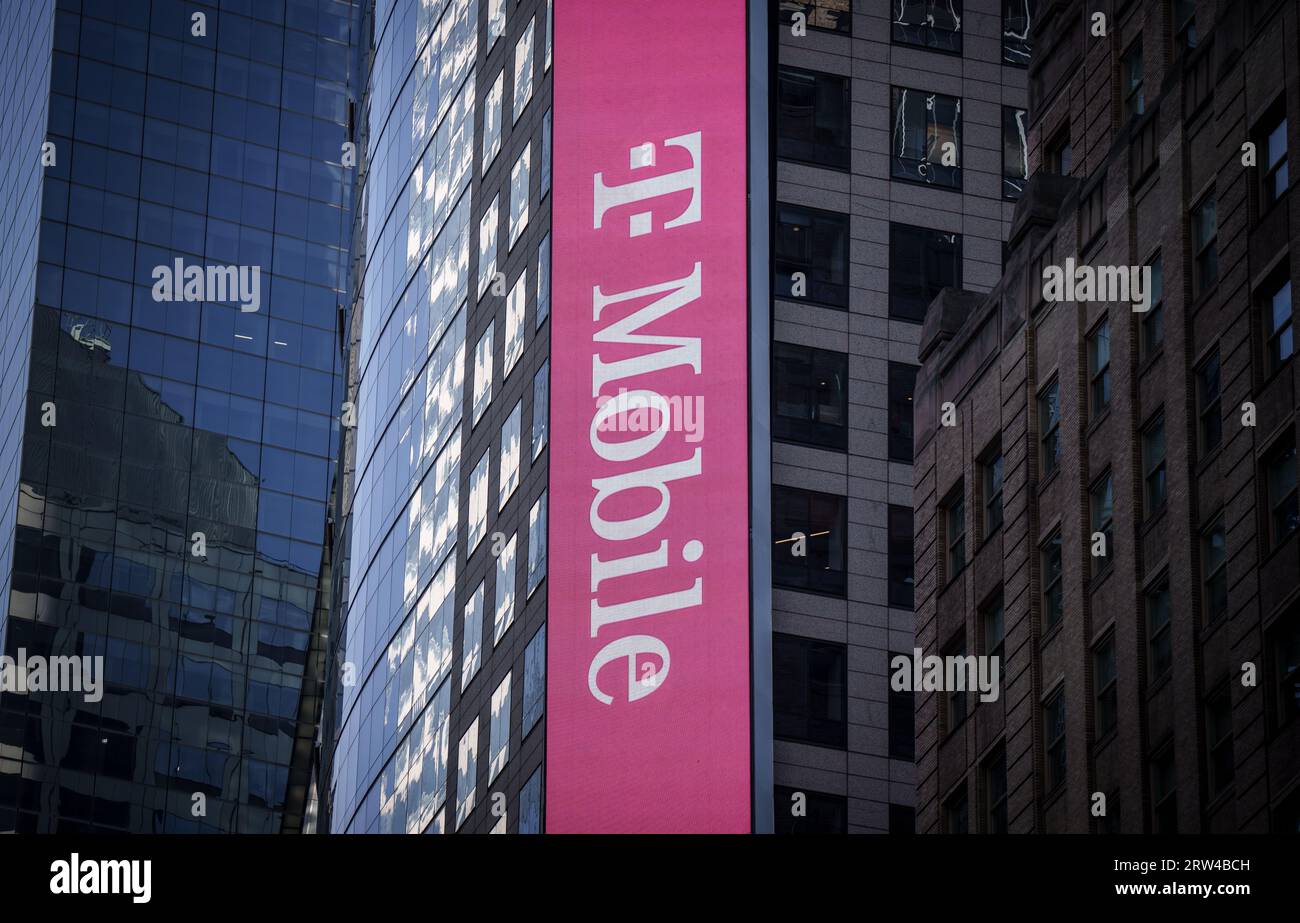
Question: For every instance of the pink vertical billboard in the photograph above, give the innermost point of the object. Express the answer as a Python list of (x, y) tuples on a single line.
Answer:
[(648, 673)]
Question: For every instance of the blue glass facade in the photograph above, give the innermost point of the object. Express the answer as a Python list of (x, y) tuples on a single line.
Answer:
[(436, 685), (171, 516), (28, 31)]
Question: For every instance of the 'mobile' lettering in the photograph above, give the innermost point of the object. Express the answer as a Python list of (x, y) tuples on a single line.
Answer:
[(662, 352)]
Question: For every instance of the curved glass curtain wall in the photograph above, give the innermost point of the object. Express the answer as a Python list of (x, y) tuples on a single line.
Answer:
[(390, 766)]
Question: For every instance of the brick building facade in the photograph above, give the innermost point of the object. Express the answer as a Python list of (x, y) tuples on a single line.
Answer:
[(1161, 674)]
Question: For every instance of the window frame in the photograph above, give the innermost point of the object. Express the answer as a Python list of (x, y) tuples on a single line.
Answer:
[(1218, 714), (822, 289), (1209, 405), (1214, 574), (1279, 452), (952, 47), (836, 732), (1105, 694), (1102, 522), (1269, 171), (1154, 467), (1055, 587), (1050, 432), (1055, 756), (837, 586), (809, 430), (991, 488), (904, 240), (1273, 331), (1160, 661), (1132, 92), (1205, 252), (1098, 371), (907, 169), (954, 507), (811, 150)]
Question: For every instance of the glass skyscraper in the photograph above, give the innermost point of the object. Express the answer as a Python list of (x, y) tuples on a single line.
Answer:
[(439, 634), (169, 463)]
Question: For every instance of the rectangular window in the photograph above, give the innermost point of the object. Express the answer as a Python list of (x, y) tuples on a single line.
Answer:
[(810, 690), (956, 812), (902, 388), (1279, 333), (1184, 25), (496, 21), (483, 373), (811, 255), (541, 407), (1017, 23), (523, 83), (1131, 75), (1049, 423), (1152, 334), (954, 700), (519, 193), (1218, 738), (1092, 214), (808, 540), (1015, 151), (466, 772), (543, 281), (1271, 155), (530, 796), (504, 614), (995, 791), (1053, 600), (1143, 152), (810, 396), (921, 263), (928, 24), (1059, 158), (955, 532), (800, 811), (1280, 482), (499, 734), (516, 306), (1105, 684), (826, 15), (1102, 500), (1205, 246), (902, 720), (900, 557), (1099, 369), (492, 124), (472, 637), (546, 156), (478, 502), (508, 476), (992, 628), (1164, 793), (550, 32), (926, 138), (537, 543), (991, 488), (1214, 570), (534, 680), (812, 118), (1285, 643), (1054, 740), (487, 247), (1209, 409), (1159, 641), (1153, 465)]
